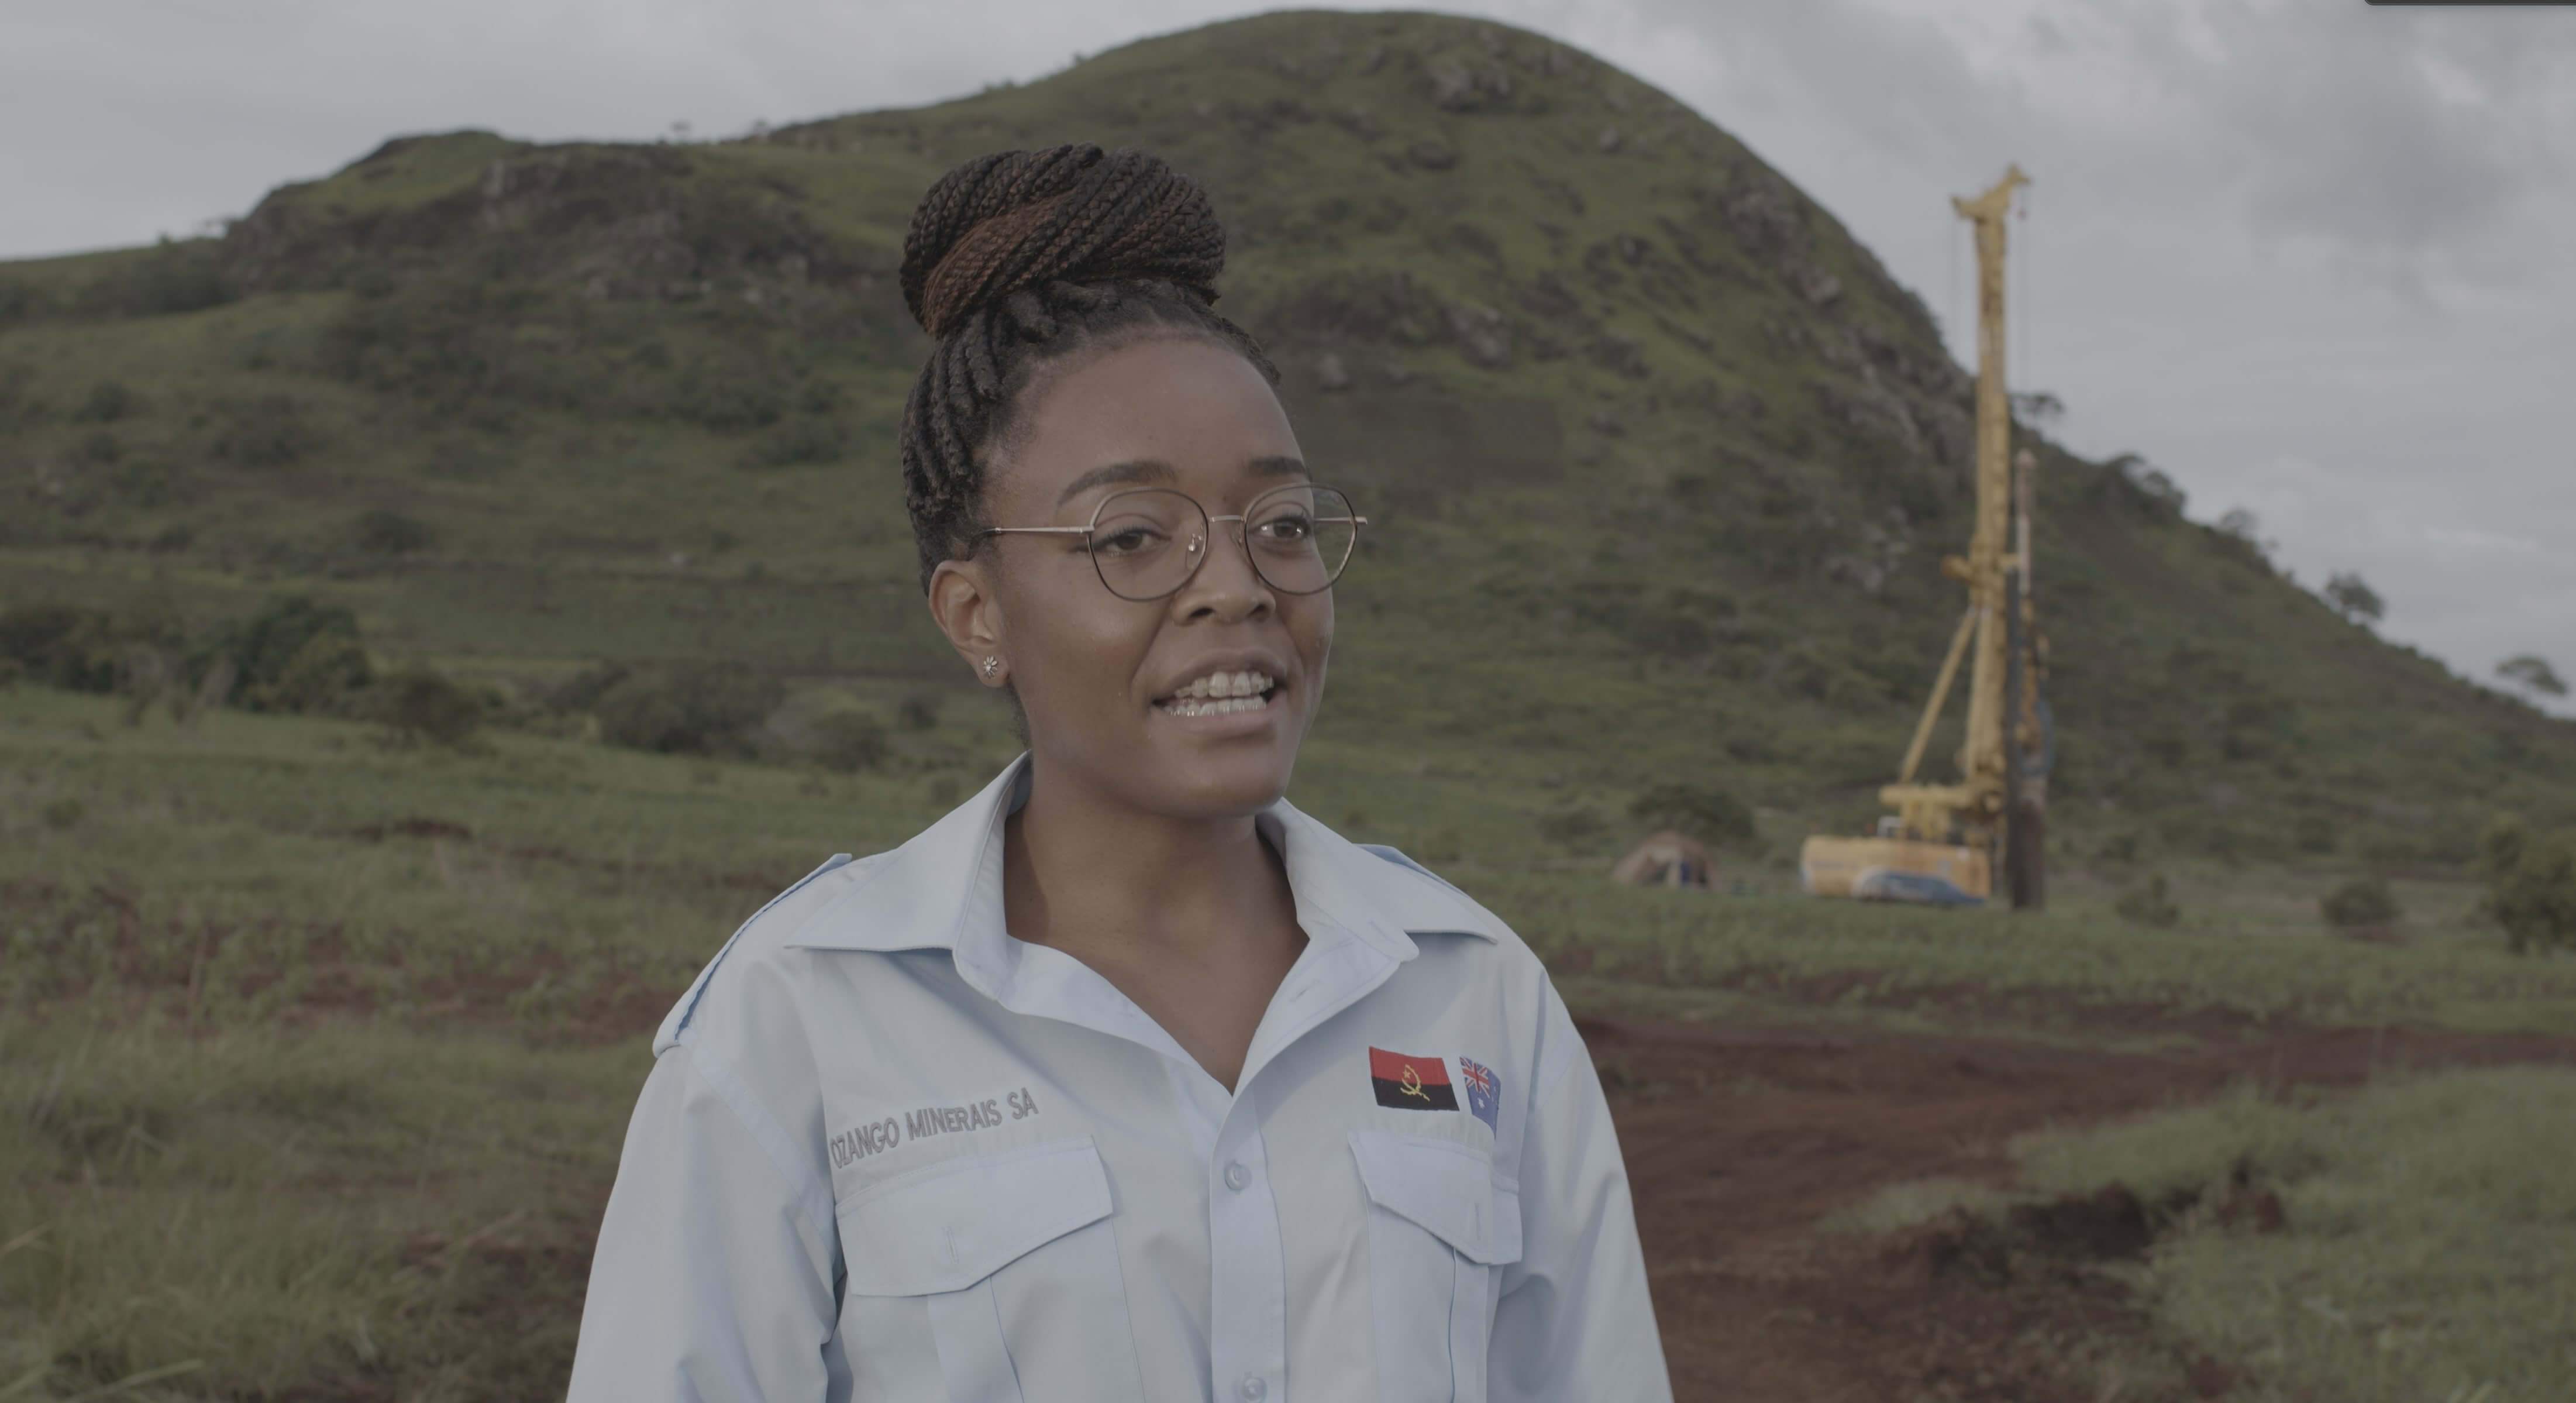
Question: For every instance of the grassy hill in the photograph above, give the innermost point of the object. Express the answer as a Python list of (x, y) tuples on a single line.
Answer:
[(1665, 461)]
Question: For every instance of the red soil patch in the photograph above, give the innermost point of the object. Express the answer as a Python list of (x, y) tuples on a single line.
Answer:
[(1739, 1140)]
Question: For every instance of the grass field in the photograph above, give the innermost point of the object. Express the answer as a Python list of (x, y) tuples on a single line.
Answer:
[(2430, 1231), (320, 1046)]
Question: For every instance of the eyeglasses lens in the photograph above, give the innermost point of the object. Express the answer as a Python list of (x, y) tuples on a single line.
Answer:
[(1300, 537), (1148, 542), (1142, 542)]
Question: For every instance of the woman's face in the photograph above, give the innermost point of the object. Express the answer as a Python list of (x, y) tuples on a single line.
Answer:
[(1101, 678)]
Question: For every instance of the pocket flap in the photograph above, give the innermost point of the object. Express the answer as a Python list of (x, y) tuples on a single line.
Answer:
[(946, 1226), (1445, 1188)]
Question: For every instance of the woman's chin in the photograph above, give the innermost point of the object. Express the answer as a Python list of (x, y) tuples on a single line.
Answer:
[(1226, 780)]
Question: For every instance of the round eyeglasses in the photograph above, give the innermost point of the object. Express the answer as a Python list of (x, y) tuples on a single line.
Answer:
[(1147, 542)]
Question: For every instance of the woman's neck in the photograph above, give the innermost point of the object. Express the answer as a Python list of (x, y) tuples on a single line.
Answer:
[(1082, 868)]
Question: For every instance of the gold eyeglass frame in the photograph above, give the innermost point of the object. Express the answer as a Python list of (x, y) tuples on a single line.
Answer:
[(1197, 548)]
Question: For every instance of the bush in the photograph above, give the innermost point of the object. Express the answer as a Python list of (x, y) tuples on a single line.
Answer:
[(2149, 903), (1571, 827), (98, 448), (422, 703), (60, 645), (848, 741), (293, 655), (383, 532), (268, 432), (803, 439), (1709, 814), (919, 712), (2313, 833), (2531, 884), (108, 402), (697, 710), (176, 277), (2362, 904), (324, 676)]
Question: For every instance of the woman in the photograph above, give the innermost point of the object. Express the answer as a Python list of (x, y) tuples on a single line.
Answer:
[(1126, 1080)]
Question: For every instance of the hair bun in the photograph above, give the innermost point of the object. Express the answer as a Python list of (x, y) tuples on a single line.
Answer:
[(1019, 219)]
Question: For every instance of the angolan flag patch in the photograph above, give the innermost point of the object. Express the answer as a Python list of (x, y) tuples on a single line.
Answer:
[(1408, 1083)]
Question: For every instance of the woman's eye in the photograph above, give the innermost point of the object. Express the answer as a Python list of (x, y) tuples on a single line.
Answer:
[(1126, 540), (1287, 528)]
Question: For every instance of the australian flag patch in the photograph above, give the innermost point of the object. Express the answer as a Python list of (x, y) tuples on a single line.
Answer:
[(1411, 1083), (1484, 1091)]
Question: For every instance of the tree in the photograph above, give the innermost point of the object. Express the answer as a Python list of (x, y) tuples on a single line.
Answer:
[(2245, 529), (2352, 597), (2038, 407), (1704, 812), (2533, 674), (2150, 480), (2531, 883)]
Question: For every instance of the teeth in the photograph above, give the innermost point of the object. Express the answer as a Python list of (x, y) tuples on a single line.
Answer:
[(1227, 706), (1227, 684)]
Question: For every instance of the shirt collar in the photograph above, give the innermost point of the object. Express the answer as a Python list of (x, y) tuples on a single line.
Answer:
[(943, 890)]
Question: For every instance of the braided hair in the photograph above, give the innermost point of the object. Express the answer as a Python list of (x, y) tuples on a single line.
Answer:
[(1013, 261)]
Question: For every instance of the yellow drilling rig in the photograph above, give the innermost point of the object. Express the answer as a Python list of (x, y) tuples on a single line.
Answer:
[(1945, 841)]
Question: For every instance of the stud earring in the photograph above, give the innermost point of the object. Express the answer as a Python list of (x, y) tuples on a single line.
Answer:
[(992, 666)]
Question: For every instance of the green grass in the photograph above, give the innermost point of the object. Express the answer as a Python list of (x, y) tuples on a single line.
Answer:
[(247, 1211), (256, 865), (2430, 1247), (283, 1007)]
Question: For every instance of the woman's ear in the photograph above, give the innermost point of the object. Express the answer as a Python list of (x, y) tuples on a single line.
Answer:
[(963, 605)]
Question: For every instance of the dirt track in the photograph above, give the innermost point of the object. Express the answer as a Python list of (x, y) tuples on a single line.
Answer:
[(1738, 1141)]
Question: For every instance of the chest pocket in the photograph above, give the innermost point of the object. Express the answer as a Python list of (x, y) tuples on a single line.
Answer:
[(1440, 1231), (1007, 1263)]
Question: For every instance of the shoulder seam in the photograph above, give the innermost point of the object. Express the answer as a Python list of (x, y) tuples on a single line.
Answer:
[(835, 863), (1389, 853)]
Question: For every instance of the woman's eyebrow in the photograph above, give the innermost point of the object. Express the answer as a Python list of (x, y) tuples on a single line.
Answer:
[(1133, 470), (1277, 465)]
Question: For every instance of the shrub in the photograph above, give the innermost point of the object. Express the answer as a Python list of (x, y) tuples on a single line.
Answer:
[(1571, 827), (108, 402), (383, 532), (176, 277), (2313, 833), (98, 448), (1705, 812), (422, 703), (848, 741), (2361, 904), (803, 439), (283, 661), (580, 693), (325, 675), (268, 432), (2531, 883), (2149, 903), (919, 712), (60, 645), (698, 710)]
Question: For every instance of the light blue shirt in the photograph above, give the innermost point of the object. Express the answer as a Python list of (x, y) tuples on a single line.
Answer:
[(888, 1152)]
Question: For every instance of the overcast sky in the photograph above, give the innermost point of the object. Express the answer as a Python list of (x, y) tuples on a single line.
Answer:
[(2311, 257)]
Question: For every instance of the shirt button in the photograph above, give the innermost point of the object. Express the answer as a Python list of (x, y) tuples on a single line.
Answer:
[(1236, 1176), (1254, 1388)]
